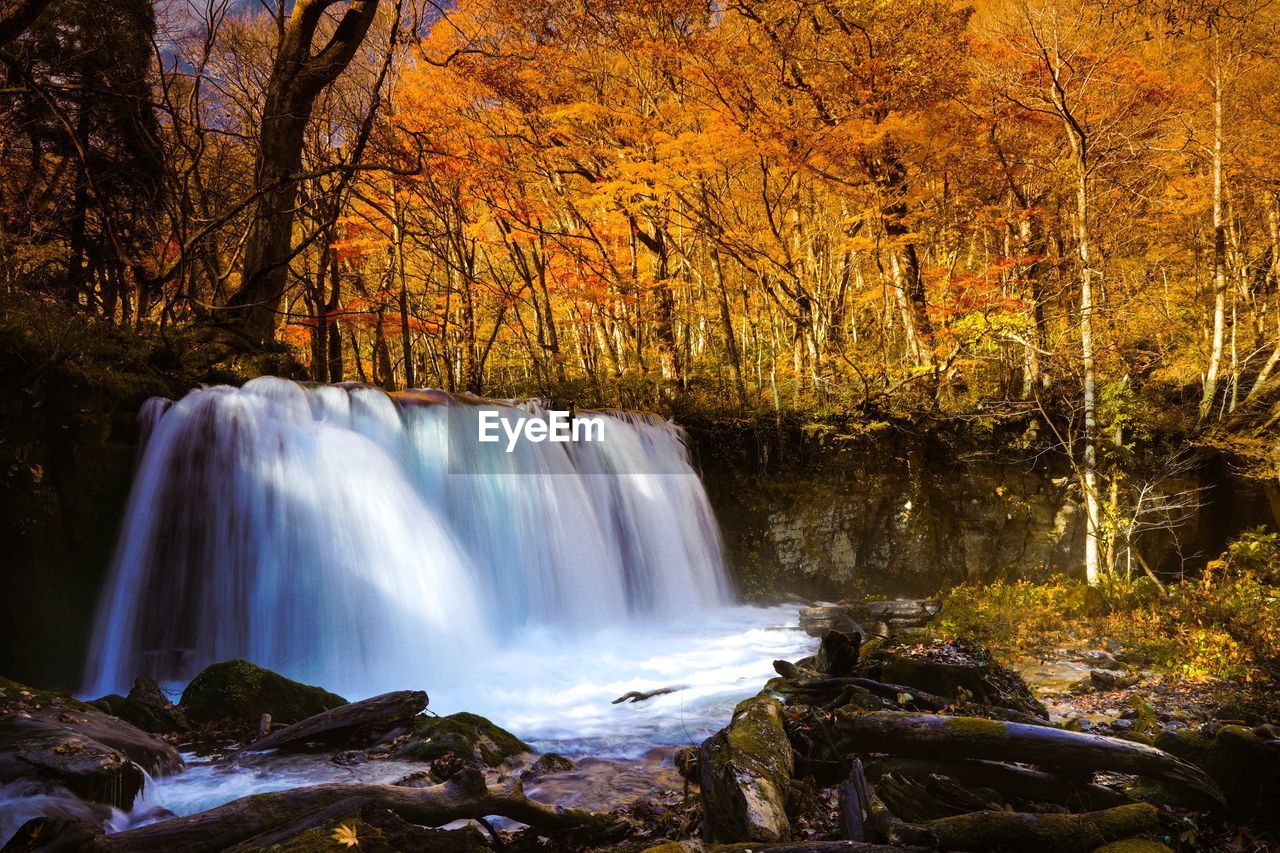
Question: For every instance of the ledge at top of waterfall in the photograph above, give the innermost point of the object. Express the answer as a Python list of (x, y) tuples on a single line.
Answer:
[(369, 541)]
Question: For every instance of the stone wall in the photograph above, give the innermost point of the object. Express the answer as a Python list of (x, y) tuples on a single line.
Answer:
[(903, 513)]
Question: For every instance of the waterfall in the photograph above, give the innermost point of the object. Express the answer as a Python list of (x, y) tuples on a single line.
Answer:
[(367, 541)]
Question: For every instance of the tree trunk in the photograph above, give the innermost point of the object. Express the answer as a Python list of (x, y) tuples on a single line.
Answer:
[(726, 323), (1219, 242), (297, 78)]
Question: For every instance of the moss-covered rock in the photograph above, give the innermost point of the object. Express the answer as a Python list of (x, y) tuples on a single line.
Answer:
[(242, 692), (15, 697), (466, 735), (1244, 762), (746, 773)]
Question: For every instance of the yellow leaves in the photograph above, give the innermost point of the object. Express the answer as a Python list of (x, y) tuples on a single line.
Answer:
[(345, 835)]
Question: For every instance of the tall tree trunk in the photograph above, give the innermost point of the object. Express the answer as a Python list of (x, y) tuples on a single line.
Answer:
[(1219, 242), (297, 78), (726, 322)]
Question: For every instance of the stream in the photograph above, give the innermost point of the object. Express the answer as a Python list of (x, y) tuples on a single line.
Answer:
[(554, 689)]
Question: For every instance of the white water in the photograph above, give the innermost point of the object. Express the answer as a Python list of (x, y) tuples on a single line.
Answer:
[(365, 542), (556, 692)]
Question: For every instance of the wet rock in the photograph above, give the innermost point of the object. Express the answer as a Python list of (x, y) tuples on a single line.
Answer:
[(58, 832), (746, 773), (468, 735), (1112, 679), (349, 757), (241, 692), (547, 764), (94, 756), (1244, 762), (146, 707)]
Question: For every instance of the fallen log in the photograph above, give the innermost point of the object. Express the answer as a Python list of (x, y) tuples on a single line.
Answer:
[(906, 612), (931, 736), (745, 772), (802, 847), (1009, 780), (337, 723), (465, 796), (1044, 833)]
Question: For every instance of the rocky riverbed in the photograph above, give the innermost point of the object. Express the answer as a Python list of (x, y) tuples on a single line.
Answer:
[(885, 737)]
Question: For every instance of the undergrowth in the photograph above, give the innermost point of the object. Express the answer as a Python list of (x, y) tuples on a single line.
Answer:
[(1225, 624)]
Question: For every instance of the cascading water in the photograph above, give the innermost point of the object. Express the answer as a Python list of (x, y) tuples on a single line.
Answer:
[(368, 542)]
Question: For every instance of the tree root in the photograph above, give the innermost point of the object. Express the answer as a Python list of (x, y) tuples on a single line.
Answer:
[(930, 736), (465, 796)]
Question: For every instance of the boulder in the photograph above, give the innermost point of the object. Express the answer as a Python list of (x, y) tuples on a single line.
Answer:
[(146, 707), (368, 718), (1112, 679), (745, 771), (241, 692), (469, 736), (547, 764), (91, 754)]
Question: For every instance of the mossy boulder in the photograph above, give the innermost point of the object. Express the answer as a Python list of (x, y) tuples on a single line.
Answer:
[(1244, 762), (241, 692), (746, 771), (467, 735)]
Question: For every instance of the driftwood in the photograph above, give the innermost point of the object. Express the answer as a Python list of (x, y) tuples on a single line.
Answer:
[(931, 736), (854, 804), (465, 796), (919, 799), (1044, 833), (340, 722), (1002, 830), (638, 696), (1010, 781), (905, 611)]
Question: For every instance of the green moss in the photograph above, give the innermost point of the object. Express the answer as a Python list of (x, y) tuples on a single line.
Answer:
[(1133, 845), (19, 697), (464, 734), (974, 727), (243, 692)]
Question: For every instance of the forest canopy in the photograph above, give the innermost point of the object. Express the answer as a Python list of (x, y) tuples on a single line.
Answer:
[(763, 204)]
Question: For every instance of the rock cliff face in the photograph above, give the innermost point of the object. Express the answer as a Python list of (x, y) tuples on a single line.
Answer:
[(905, 514)]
